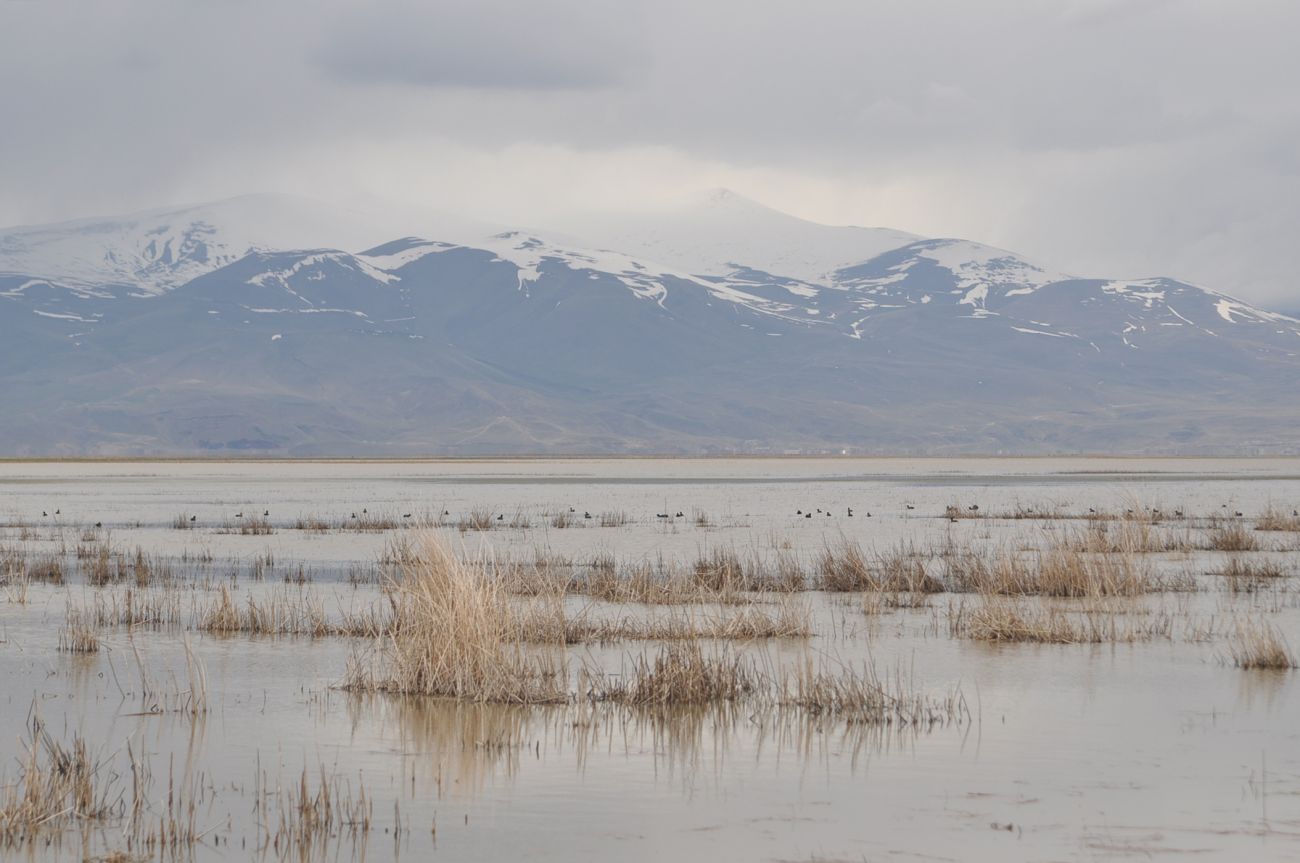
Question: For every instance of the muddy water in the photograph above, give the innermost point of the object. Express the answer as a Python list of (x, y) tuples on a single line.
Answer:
[(1071, 752)]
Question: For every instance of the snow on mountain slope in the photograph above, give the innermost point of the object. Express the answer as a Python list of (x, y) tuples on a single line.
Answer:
[(156, 250), (719, 232), (530, 252), (730, 327)]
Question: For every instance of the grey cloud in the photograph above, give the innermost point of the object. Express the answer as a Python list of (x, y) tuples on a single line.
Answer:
[(488, 44), (1110, 136)]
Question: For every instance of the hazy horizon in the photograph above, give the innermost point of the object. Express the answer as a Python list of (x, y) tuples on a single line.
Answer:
[(1107, 137)]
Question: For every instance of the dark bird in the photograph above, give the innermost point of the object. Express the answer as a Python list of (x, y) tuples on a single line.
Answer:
[(406, 515), (239, 515), (364, 510), (868, 513), (807, 515), (850, 512), (571, 509), (819, 509), (1238, 513), (194, 518), (1178, 512), (828, 513), (444, 512), (909, 506), (1091, 510), (45, 514), (798, 512), (586, 515), (679, 513), (99, 524), (974, 507), (57, 511), (265, 513), (501, 517), (661, 515), (354, 515)]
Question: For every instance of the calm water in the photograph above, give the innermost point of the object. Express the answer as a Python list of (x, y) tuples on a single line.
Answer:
[(1074, 752)]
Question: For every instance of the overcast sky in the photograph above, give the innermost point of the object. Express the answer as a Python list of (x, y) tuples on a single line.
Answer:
[(1102, 137)]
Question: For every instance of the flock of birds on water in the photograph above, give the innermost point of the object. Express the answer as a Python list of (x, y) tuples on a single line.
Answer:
[(973, 508)]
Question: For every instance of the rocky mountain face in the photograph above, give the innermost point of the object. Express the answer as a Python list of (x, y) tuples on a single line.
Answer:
[(271, 325)]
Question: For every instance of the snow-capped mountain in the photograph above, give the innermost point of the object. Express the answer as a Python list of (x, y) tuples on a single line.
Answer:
[(271, 324)]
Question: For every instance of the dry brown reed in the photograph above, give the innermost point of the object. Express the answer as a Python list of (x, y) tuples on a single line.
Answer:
[(1231, 537), (861, 697), (1061, 572), (903, 570), (1277, 519), (1257, 644), (1248, 576), (453, 633), (78, 634), (285, 613), (255, 526), (311, 817), (153, 609), (1002, 619), (57, 788), (679, 674)]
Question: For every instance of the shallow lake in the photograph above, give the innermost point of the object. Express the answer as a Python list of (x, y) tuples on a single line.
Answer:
[(1150, 745)]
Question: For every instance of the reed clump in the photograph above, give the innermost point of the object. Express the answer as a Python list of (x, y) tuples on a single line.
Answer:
[(287, 613), (679, 674), (58, 787), (1248, 576), (454, 634), (614, 518), (1232, 537), (1004, 619), (313, 816), (787, 620), (78, 634), (1064, 571), (862, 697), (1258, 644), (1276, 519), (477, 519), (846, 568)]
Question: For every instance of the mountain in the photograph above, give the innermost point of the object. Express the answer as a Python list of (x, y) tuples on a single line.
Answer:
[(273, 325)]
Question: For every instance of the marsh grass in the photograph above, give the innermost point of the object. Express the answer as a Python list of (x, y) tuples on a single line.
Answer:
[(78, 634), (1273, 519), (1257, 644), (679, 674), (1003, 619), (1231, 537), (787, 619), (860, 696), (477, 519), (454, 634), (150, 609), (845, 567), (1249, 576), (285, 613), (312, 816), (57, 787)]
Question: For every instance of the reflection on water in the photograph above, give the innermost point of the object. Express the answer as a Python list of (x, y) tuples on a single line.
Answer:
[(1155, 747)]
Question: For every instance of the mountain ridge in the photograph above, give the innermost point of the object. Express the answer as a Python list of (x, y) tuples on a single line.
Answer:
[(525, 341)]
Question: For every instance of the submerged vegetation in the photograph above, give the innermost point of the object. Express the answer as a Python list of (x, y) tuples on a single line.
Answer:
[(731, 631)]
